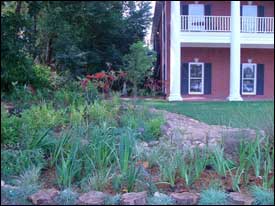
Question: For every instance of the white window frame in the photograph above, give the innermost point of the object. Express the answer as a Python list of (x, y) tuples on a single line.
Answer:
[(189, 77), (255, 78)]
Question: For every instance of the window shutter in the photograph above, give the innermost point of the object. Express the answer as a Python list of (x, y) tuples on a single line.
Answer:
[(260, 11), (184, 9), (241, 11), (241, 79), (207, 78), (260, 79), (184, 78), (207, 10)]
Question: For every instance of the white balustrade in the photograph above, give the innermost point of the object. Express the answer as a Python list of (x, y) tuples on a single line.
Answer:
[(249, 24)]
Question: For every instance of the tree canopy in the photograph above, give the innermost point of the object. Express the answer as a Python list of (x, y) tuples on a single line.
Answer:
[(78, 36)]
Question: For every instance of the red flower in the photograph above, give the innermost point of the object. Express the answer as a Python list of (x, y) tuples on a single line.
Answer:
[(100, 75), (89, 76)]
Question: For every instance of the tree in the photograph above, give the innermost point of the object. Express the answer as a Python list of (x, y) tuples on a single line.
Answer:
[(138, 63)]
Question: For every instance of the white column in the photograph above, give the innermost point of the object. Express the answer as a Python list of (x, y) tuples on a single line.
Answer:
[(235, 53), (175, 62)]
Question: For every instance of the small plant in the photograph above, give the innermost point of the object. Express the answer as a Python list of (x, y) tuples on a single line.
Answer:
[(236, 179), (29, 177), (153, 128), (13, 162), (262, 196), (131, 176), (112, 200), (219, 162), (100, 179), (198, 159), (66, 197), (213, 197), (125, 152), (68, 167), (160, 199), (168, 169)]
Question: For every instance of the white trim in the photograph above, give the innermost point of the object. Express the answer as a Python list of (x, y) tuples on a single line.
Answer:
[(254, 79), (189, 77)]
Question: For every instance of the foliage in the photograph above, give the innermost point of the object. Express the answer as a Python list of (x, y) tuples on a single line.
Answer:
[(66, 197), (13, 162), (138, 64), (153, 128), (112, 200), (219, 162), (213, 197), (42, 76), (68, 167), (262, 196), (10, 128), (168, 169), (161, 199)]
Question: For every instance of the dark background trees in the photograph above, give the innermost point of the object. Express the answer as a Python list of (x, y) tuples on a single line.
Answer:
[(76, 36)]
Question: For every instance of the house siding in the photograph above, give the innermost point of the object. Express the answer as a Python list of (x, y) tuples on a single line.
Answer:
[(220, 60)]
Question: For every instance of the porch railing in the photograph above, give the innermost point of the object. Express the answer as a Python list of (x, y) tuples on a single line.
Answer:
[(223, 24)]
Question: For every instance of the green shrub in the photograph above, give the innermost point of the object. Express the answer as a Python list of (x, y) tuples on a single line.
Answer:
[(13, 162), (10, 128), (40, 117), (42, 76), (213, 197), (153, 128), (99, 113), (262, 196)]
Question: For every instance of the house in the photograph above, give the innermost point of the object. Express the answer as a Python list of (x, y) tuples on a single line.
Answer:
[(215, 50)]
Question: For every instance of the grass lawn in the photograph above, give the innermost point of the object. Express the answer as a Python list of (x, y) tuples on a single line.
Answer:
[(252, 114)]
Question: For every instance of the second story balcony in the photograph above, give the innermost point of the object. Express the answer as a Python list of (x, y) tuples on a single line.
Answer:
[(223, 24), (199, 30)]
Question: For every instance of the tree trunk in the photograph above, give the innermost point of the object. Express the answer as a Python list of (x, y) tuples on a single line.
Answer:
[(49, 52), (18, 7)]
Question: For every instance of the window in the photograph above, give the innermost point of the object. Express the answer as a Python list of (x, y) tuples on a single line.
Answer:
[(196, 78), (249, 78), (249, 21)]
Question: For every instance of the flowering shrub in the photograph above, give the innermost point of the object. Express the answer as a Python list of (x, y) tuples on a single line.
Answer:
[(103, 81), (154, 85)]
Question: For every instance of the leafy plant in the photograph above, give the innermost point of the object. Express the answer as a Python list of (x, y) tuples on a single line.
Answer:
[(68, 167), (10, 128), (219, 162), (262, 196), (125, 151), (168, 169), (213, 197), (236, 179), (131, 176), (13, 162), (100, 178)]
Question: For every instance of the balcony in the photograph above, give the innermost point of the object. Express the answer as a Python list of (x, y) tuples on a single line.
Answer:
[(214, 31), (223, 24)]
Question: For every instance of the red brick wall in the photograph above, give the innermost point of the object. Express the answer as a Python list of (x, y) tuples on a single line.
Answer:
[(222, 8), (266, 57), (220, 60)]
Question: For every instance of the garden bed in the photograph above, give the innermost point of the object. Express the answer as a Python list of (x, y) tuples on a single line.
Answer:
[(117, 148)]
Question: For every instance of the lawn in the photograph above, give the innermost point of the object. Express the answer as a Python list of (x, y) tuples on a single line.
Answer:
[(251, 114)]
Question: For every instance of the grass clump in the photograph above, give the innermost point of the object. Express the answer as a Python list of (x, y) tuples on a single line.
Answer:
[(262, 196), (213, 197)]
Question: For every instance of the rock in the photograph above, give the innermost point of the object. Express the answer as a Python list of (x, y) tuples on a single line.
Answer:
[(2, 183), (185, 198), (240, 199), (144, 144), (134, 198), (158, 194), (92, 198), (43, 197)]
